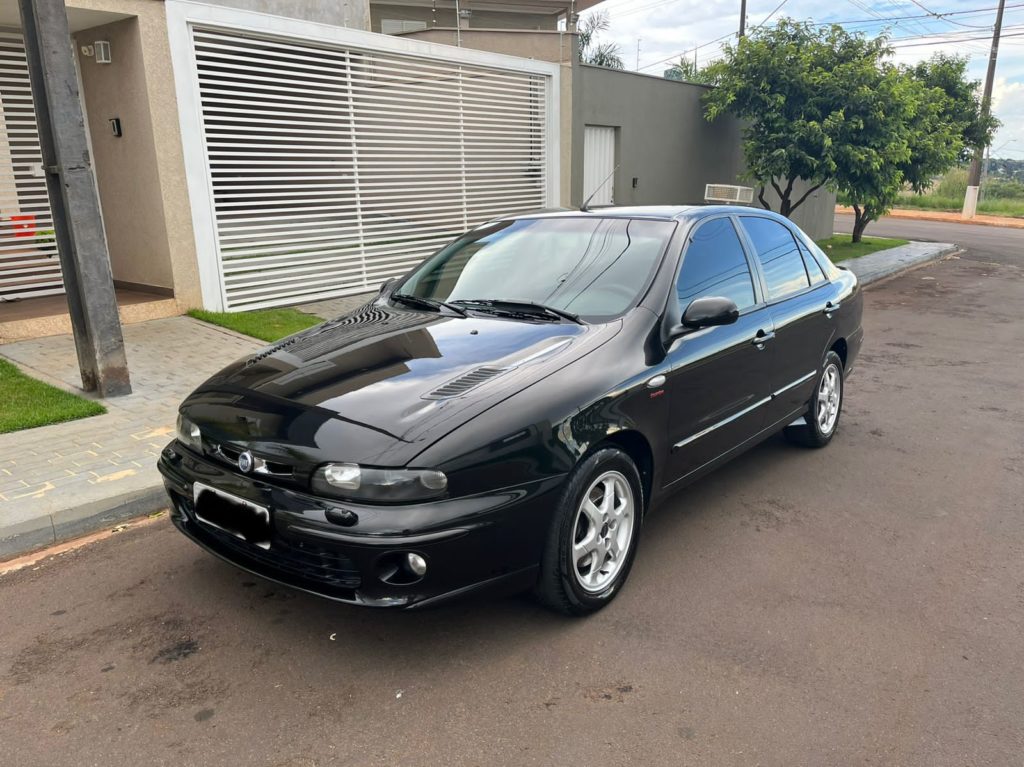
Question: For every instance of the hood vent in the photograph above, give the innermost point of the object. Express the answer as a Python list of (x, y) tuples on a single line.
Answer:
[(481, 375), (465, 382)]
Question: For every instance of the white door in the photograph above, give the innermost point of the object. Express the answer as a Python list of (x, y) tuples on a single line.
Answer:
[(599, 164)]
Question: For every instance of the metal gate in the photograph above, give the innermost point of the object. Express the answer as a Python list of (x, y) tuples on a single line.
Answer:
[(599, 164), (29, 265), (333, 167)]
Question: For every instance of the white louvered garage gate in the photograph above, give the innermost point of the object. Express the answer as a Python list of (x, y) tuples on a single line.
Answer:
[(29, 265), (333, 164)]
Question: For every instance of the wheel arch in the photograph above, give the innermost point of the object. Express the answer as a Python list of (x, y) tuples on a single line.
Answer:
[(635, 445)]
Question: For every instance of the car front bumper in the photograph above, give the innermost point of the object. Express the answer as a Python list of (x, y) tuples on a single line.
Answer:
[(493, 540)]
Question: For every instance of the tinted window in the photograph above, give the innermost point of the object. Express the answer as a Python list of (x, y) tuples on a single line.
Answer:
[(813, 267), (588, 265), (781, 261), (714, 265)]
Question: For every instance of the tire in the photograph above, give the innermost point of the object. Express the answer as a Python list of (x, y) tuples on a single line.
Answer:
[(820, 426), (571, 582)]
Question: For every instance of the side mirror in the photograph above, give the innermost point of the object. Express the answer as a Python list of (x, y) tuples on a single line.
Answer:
[(387, 284), (705, 312)]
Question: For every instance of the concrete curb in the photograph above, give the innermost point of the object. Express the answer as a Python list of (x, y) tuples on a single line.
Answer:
[(23, 537), (29, 535), (888, 263)]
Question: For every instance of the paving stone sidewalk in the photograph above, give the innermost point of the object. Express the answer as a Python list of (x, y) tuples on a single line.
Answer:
[(55, 480), (69, 479)]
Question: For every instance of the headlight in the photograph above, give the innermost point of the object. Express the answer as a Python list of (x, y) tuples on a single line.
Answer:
[(188, 434), (361, 483)]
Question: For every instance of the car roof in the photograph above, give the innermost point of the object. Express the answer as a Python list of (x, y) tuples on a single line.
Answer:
[(655, 212)]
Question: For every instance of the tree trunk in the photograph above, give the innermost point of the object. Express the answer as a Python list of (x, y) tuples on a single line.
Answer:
[(861, 219)]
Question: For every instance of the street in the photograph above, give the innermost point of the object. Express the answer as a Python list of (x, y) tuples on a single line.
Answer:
[(861, 604), (1000, 245)]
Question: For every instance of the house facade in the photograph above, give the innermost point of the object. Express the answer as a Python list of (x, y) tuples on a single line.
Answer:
[(263, 153)]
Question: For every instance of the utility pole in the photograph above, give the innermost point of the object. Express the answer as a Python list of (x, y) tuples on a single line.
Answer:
[(974, 175), (638, 54), (71, 187), (743, 17)]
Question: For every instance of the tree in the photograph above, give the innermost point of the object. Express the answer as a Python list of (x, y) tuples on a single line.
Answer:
[(949, 73), (932, 120), (790, 84), (687, 71), (593, 52), (826, 106)]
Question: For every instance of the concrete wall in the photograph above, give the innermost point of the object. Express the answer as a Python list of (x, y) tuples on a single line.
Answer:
[(445, 17), (141, 173), (528, 44), (126, 167), (354, 14), (664, 142)]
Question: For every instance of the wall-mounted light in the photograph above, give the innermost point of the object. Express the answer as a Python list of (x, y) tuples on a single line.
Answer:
[(102, 48), (466, 13)]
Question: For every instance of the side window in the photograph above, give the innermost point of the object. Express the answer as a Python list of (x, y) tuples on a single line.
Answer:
[(714, 264), (811, 265), (780, 259)]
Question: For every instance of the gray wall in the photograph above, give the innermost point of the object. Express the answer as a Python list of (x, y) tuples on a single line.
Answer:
[(445, 17), (354, 14), (666, 144)]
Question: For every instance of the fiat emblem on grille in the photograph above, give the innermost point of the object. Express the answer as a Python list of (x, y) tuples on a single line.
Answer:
[(245, 462)]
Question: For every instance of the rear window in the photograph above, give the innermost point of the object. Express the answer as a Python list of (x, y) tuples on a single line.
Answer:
[(781, 262)]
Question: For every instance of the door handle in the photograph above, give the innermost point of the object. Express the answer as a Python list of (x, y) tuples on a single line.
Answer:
[(762, 337), (829, 308)]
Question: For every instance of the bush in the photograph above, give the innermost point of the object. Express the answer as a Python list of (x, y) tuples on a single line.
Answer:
[(952, 184), (1003, 189)]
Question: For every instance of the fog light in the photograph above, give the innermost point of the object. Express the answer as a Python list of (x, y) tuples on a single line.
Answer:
[(417, 564)]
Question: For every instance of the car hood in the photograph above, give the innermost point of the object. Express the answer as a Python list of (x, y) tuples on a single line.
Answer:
[(380, 385)]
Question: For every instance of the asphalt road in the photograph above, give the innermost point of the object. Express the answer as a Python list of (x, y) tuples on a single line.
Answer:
[(862, 604), (997, 244)]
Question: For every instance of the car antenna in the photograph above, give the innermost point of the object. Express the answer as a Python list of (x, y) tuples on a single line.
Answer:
[(583, 207)]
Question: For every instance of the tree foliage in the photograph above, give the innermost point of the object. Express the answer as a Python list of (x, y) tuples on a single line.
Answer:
[(594, 52), (827, 106), (687, 71)]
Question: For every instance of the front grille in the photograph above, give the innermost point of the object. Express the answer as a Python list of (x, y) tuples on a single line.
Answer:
[(227, 454), (303, 560)]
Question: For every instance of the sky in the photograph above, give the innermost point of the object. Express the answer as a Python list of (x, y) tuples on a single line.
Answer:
[(668, 28)]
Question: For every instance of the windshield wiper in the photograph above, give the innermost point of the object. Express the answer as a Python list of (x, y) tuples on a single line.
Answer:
[(529, 308), (426, 303)]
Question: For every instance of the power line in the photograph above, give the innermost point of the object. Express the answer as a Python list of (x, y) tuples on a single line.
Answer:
[(875, 20)]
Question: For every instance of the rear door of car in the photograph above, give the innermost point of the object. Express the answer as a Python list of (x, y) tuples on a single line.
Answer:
[(718, 380), (797, 294)]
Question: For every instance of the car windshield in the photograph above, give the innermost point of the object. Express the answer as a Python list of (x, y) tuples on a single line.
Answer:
[(588, 266)]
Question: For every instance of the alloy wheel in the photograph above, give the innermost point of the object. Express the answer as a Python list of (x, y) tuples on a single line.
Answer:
[(603, 531), (829, 391)]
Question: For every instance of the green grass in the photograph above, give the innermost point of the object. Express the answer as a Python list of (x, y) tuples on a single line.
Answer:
[(29, 403), (839, 247), (994, 207), (264, 324)]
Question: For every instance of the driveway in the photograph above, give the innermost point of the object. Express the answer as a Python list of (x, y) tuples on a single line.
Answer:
[(862, 604)]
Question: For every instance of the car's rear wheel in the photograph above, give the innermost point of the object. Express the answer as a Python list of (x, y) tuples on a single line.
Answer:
[(822, 417), (594, 535)]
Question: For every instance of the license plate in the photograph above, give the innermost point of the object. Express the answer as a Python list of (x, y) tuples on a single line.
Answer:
[(236, 516)]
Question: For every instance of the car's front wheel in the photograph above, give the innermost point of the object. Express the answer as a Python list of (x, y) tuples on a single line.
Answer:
[(594, 535), (822, 415)]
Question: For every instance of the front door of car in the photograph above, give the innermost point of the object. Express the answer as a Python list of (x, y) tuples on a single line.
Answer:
[(717, 380), (798, 297)]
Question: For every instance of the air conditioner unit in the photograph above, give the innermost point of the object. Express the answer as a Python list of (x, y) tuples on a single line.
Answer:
[(728, 193)]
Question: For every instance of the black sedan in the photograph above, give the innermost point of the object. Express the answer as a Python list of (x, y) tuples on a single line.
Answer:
[(507, 413)]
